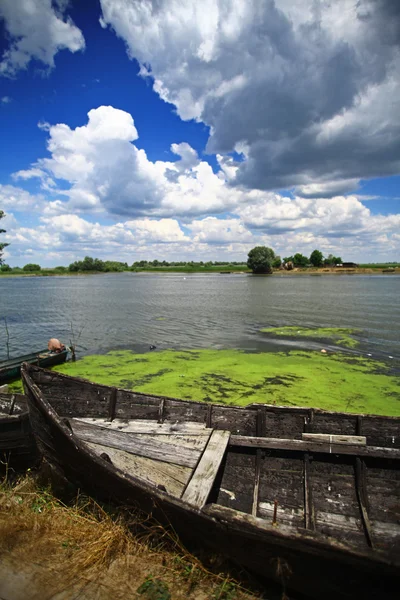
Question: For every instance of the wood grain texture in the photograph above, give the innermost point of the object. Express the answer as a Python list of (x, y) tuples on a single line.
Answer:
[(204, 476), (359, 440), (147, 426), (164, 476), (142, 445), (323, 447)]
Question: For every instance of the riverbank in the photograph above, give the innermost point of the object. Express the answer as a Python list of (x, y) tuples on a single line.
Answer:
[(82, 549), (218, 270)]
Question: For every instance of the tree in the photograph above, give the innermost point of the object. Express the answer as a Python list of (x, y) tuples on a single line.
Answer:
[(2, 245), (260, 259), (31, 267), (332, 260), (276, 263), (299, 260), (316, 258)]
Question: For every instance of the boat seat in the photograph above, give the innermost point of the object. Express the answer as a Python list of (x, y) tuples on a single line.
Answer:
[(201, 482)]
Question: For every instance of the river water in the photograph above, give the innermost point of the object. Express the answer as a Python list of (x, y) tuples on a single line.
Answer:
[(134, 311)]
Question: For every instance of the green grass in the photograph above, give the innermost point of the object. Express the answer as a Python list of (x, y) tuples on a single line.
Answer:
[(194, 269), (338, 335), (329, 381), (148, 269), (379, 265)]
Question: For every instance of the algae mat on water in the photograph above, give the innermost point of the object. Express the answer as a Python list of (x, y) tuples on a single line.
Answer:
[(333, 382), (338, 335)]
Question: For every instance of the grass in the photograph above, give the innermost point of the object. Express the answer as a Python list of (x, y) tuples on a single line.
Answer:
[(332, 381), (94, 552), (380, 265), (338, 335)]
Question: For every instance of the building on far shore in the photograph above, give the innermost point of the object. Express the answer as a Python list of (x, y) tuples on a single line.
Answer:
[(348, 265)]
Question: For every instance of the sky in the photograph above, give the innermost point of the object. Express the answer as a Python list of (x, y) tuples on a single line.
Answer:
[(186, 130)]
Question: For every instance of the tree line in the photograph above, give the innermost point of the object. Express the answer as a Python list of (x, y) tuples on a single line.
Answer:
[(262, 259), (107, 266)]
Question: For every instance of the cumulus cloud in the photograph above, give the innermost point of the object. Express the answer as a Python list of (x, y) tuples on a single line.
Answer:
[(342, 226), (107, 172), (37, 29), (327, 223), (175, 209), (212, 230), (17, 199), (310, 89)]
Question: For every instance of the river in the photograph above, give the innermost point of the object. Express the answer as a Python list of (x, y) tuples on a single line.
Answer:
[(134, 311)]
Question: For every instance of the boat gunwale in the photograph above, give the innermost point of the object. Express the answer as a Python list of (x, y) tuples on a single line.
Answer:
[(9, 362), (302, 410), (46, 358)]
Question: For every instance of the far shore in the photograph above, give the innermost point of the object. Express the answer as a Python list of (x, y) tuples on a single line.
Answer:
[(217, 271)]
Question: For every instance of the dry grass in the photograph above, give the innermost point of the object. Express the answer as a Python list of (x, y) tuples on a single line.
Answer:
[(85, 551)]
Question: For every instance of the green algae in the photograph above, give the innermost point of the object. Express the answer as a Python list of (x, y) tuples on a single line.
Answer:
[(338, 335), (328, 381)]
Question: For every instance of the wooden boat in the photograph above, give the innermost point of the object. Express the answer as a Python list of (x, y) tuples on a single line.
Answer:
[(319, 513), (17, 444), (11, 368)]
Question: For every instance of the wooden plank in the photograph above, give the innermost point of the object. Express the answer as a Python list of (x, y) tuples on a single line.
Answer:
[(149, 446), (256, 482), (261, 426), (335, 439), (363, 499), (149, 427), (12, 404), (161, 411), (309, 517), (18, 405), (235, 488), (283, 514), (112, 404), (308, 421), (306, 446), (203, 477), (165, 476), (209, 415)]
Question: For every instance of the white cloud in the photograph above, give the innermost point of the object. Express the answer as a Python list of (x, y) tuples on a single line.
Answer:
[(175, 209), (37, 30), (276, 214), (219, 231), (309, 87), (6, 100), (107, 172), (17, 199)]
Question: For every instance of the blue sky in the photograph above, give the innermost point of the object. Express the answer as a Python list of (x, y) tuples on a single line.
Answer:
[(174, 130)]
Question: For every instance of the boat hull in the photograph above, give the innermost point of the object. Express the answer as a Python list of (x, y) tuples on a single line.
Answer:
[(303, 561), (18, 449), (11, 369)]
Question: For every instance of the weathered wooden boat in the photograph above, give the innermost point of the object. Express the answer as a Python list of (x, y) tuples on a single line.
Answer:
[(17, 444), (11, 368), (319, 513)]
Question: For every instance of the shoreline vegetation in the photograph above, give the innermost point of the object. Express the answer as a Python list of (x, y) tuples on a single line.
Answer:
[(260, 261), (366, 269)]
